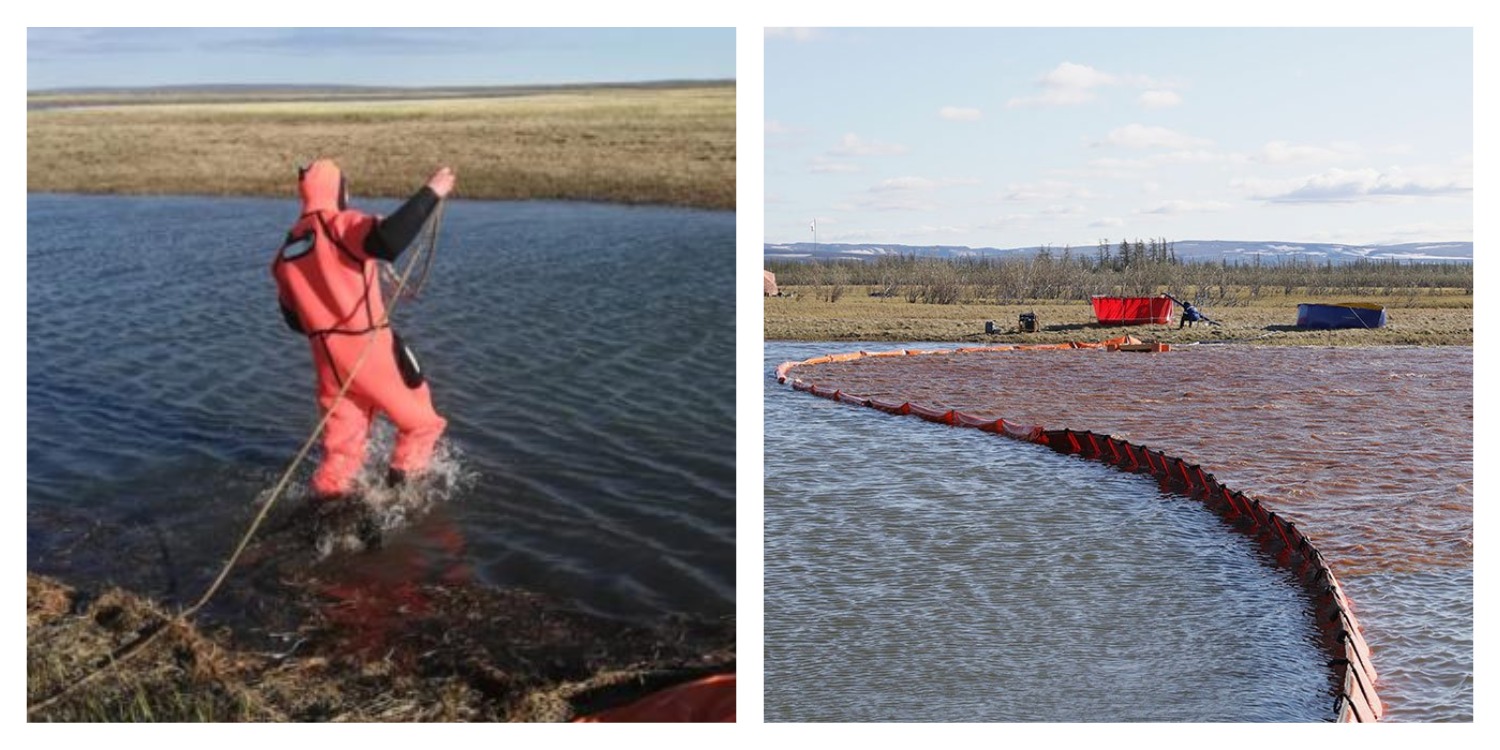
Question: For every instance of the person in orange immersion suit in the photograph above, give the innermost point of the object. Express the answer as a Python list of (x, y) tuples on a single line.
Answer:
[(328, 284)]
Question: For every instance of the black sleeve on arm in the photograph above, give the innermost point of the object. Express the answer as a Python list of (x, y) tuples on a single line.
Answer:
[(395, 232)]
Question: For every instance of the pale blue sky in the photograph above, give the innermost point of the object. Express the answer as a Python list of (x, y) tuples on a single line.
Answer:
[(1011, 137), (78, 57)]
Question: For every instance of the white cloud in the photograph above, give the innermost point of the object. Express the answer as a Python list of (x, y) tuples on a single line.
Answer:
[(1158, 99), (1136, 135), (1344, 185), (825, 165), (1046, 190), (777, 127), (908, 193), (1110, 162), (1007, 221), (904, 184), (1108, 222), (895, 202), (794, 33), (1071, 84), (1149, 187), (1186, 207), (1075, 76), (1056, 210), (959, 114), (1067, 84), (1282, 152), (919, 184), (853, 145), (1198, 156)]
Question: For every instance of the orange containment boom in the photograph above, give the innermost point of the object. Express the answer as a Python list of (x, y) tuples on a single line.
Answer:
[(710, 699), (1342, 637)]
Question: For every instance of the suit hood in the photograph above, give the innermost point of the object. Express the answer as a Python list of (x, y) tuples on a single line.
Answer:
[(321, 186)]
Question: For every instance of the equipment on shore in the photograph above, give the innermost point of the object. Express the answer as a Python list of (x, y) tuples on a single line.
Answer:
[(1343, 315), (1132, 311)]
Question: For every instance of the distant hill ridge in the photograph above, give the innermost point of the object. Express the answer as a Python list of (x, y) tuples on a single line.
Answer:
[(250, 88), (218, 93), (1187, 250)]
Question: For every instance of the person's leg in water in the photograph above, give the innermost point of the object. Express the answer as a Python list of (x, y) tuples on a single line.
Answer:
[(344, 437), (337, 511), (398, 388)]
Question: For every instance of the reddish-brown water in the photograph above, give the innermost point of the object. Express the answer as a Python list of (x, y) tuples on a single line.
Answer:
[(1368, 450)]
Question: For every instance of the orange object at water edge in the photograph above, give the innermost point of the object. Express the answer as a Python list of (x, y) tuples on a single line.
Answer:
[(710, 699)]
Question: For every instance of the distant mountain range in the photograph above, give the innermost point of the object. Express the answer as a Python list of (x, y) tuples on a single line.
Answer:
[(1187, 250)]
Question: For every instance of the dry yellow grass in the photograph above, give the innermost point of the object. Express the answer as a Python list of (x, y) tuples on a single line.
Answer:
[(1446, 319), (671, 146)]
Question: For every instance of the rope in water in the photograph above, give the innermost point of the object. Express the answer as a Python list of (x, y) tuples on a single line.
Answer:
[(121, 654)]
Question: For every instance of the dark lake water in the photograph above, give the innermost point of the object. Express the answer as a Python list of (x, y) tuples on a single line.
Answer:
[(920, 573), (562, 341)]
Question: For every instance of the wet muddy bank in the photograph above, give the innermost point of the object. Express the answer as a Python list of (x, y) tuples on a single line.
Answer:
[(440, 653)]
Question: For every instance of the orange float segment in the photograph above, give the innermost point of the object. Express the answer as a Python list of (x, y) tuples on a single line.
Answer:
[(710, 699)]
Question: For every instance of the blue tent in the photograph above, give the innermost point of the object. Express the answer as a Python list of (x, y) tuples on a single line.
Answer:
[(1344, 315)]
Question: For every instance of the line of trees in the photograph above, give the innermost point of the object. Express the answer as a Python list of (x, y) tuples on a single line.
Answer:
[(1129, 268)]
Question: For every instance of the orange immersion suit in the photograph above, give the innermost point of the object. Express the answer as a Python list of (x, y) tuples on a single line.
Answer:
[(328, 285)]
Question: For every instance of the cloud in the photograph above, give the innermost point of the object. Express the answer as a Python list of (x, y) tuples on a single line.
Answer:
[(1185, 207), (1108, 222), (777, 127), (853, 145), (895, 202), (1282, 152), (1067, 84), (906, 193), (904, 184), (1343, 185), (1062, 210), (1158, 99), (1008, 221), (825, 165), (1149, 187), (959, 114), (1046, 190), (1197, 156), (1110, 162), (1071, 84), (1140, 136), (794, 33)]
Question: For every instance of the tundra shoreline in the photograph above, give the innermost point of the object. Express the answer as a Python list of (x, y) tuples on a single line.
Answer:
[(807, 315), (668, 145)]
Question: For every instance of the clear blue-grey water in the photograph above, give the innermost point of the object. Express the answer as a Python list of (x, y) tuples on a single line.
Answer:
[(916, 572)]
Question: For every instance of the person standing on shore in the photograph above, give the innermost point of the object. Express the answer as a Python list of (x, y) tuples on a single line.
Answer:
[(327, 281)]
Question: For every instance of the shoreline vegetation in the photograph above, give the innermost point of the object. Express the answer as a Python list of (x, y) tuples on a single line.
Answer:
[(664, 144), (467, 654), (922, 299)]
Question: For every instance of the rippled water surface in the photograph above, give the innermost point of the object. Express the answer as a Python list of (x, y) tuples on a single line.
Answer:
[(1367, 450), (164, 395)]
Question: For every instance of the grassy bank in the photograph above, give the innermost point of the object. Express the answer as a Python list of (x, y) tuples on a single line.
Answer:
[(669, 145), (818, 313), (464, 655)]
